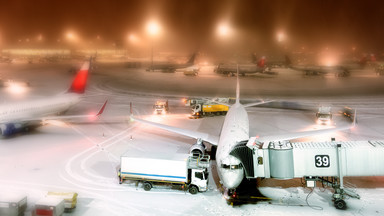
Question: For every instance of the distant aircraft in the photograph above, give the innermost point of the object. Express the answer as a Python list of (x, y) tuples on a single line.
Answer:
[(5, 60), (171, 67), (341, 70), (49, 59), (19, 116), (260, 65), (234, 133)]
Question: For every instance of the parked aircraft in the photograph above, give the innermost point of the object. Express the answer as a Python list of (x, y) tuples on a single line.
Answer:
[(234, 132), (260, 66), (341, 70), (5, 60), (19, 116), (171, 67)]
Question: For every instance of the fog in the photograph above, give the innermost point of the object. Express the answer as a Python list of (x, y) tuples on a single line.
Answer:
[(266, 27)]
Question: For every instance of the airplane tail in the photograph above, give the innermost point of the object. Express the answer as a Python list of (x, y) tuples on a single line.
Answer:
[(191, 61), (261, 62), (79, 83)]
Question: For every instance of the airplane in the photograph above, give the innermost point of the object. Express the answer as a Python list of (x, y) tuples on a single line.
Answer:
[(270, 64), (234, 132), (172, 67), (341, 70), (5, 60), (257, 66), (20, 116)]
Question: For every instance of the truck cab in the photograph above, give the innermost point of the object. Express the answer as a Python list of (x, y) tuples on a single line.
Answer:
[(197, 110), (161, 107), (324, 115), (199, 180), (198, 173)]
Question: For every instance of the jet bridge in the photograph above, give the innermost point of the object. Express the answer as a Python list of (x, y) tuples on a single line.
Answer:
[(327, 162)]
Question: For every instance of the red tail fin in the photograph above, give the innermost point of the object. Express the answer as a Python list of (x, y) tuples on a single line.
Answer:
[(102, 109), (80, 81), (261, 62)]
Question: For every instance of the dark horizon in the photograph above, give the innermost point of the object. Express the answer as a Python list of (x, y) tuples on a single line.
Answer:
[(192, 24)]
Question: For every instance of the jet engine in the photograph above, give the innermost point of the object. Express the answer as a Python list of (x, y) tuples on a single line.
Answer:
[(10, 129), (198, 148)]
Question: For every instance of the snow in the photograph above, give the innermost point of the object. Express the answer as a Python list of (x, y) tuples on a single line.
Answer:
[(83, 157)]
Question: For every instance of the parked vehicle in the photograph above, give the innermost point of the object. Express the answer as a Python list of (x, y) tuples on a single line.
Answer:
[(188, 171)]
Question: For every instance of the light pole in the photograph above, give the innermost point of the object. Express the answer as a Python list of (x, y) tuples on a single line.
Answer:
[(153, 29)]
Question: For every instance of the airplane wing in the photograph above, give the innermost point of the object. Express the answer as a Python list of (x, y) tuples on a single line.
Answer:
[(257, 103), (214, 140)]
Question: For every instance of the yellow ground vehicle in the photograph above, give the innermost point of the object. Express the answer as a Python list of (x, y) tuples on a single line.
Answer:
[(199, 110)]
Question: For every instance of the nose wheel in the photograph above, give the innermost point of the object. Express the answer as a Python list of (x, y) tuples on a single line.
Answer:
[(340, 204)]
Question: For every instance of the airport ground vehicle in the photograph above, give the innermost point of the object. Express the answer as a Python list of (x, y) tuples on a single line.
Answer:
[(12, 204), (200, 110), (379, 69), (70, 199), (188, 171), (324, 115), (49, 206), (205, 107), (349, 113), (161, 107)]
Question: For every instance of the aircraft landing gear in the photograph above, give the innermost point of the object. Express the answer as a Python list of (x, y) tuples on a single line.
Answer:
[(340, 204)]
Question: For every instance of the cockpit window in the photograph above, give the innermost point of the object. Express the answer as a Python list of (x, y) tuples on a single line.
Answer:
[(226, 166)]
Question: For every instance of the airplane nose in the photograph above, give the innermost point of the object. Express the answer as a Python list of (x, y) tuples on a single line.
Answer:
[(231, 172), (232, 178)]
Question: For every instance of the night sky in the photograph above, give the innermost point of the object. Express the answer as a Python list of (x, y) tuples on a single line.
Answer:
[(305, 22)]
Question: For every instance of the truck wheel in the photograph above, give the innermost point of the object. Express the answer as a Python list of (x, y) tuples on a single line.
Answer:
[(147, 186), (340, 204), (193, 189)]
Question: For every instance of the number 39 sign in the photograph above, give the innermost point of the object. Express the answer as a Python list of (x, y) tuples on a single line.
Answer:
[(322, 161)]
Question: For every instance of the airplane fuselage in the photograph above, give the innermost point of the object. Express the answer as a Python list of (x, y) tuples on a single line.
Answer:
[(243, 69), (170, 67), (29, 110), (235, 129)]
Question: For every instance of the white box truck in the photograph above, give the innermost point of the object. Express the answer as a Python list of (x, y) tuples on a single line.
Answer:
[(186, 170)]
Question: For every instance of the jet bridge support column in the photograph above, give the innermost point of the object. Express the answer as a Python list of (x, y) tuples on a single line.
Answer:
[(338, 196)]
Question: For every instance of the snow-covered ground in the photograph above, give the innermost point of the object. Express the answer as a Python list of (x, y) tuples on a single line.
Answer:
[(84, 156)]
